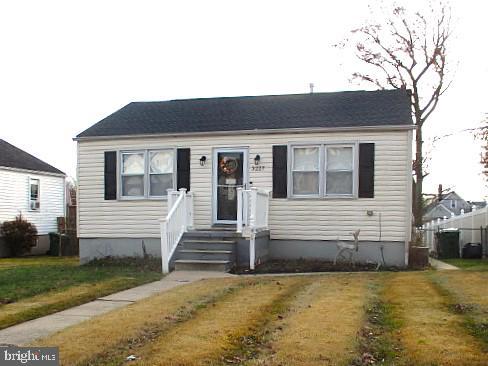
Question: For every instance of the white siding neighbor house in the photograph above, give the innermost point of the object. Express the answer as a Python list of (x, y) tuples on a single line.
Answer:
[(220, 182), (33, 188)]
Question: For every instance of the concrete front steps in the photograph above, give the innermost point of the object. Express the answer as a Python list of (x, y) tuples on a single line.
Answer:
[(207, 250)]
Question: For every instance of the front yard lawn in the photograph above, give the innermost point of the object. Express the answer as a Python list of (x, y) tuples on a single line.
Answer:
[(36, 286), (402, 319)]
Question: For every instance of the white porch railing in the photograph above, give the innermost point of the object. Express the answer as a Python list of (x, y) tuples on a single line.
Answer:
[(175, 224), (252, 216)]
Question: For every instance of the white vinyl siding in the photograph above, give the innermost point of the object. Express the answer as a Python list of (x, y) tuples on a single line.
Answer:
[(293, 218), (15, 198)]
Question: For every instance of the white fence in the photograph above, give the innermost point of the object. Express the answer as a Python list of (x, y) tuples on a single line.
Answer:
[(252, 216), (471, 228), (175, 224)]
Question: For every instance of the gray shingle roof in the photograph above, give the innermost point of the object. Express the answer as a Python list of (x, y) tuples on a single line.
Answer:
[(13, 157), (317, 110)]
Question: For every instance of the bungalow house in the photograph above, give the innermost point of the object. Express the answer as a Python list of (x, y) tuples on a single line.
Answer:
[(210, 183), (33, 188)]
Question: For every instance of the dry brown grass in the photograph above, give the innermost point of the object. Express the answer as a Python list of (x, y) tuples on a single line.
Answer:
[(471, 287), (430, 334), (211, 333), (322, 324), (302, 320), (99, 335)]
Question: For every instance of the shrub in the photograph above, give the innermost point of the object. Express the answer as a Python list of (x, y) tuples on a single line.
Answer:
[(20, 235)]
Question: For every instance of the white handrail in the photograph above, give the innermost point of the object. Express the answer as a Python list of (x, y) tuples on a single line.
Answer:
[(175, 224), (252, 216)]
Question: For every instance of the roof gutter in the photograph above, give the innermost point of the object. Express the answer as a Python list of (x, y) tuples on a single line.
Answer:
[(251, 132), (38, 172)]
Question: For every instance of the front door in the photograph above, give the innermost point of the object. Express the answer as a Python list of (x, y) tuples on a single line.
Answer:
[(230, 172)]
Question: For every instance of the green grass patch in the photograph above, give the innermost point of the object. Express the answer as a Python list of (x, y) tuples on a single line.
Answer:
[(377, 339), (34, 287), (22, 278), (469, 264)]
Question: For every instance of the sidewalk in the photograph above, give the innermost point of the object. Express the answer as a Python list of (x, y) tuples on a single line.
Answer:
[(441, 266), (27, 332)]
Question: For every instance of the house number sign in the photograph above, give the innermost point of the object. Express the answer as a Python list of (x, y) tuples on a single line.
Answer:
[(257, 168)]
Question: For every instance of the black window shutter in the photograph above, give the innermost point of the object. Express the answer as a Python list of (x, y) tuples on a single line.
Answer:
[(183, 169), (280, 175), (366, 170), (110, 173)]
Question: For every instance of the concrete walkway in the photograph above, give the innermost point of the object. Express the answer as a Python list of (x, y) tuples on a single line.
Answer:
[(31, 330), (442, 266)]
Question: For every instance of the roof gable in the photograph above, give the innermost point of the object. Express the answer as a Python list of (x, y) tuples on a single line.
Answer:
[(317, 110), (13, 157)]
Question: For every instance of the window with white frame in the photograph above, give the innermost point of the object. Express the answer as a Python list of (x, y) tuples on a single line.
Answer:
[(146, 173), (339, 173), (133, 171), (322, 170), (306, 170), (160, 172), (34, 195)]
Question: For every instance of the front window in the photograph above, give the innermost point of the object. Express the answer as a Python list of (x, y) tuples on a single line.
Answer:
[(322, 170), (133, 174), (147, 173), (339, 171), (160, 172), (306, 170), (34, 195)]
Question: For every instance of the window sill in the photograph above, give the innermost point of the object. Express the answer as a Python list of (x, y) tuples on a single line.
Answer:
[(322, 198), (162, 198)]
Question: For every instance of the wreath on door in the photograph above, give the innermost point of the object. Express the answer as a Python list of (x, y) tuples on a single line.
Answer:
[(228, 165)]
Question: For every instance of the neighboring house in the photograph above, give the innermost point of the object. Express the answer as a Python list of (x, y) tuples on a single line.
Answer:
[(33, 188), (446, 205), (335, 162)]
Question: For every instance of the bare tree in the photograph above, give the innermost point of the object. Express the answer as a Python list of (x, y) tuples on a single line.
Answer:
[(482, 134), (408, 50)]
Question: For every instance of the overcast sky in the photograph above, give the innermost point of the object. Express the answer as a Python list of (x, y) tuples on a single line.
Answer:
[(65, 65)]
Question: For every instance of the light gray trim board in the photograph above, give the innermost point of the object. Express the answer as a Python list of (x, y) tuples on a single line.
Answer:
[(253, 132)]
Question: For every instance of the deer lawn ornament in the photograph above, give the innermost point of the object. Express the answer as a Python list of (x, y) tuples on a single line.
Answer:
[(348, 248)]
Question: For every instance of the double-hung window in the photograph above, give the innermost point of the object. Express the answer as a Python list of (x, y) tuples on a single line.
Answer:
[(339, 171), (306, 171), (34, 195), (146, 174), (323, 171), (160, 172)]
